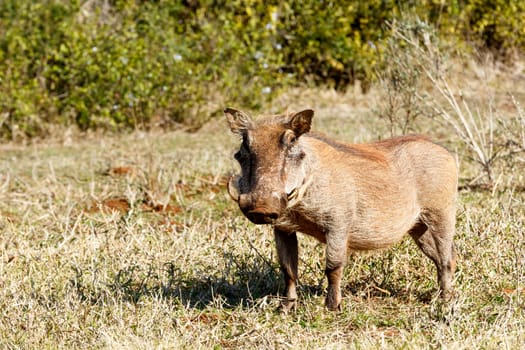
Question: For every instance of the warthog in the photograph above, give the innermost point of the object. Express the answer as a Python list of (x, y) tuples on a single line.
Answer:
[(349, 196)]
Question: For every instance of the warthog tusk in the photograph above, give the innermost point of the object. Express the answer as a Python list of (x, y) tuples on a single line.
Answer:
[(233, 187), (297, 193)]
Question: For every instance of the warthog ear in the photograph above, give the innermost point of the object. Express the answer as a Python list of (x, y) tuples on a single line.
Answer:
[(301, 122), (239, 121)]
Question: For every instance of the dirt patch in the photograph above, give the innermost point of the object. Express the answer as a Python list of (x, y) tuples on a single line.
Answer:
[(121, 170), (122, 205), (160, 208)]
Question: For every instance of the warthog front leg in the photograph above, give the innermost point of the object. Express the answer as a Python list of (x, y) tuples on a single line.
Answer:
[(333, 296), (288, 258), (335, 261)]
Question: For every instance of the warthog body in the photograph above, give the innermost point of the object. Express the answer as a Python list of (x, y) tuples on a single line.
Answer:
[(351, 197)]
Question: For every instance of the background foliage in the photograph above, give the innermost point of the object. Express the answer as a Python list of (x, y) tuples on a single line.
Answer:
[(118, 64)]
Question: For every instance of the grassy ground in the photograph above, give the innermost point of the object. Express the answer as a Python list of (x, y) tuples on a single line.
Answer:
[(131, 242)]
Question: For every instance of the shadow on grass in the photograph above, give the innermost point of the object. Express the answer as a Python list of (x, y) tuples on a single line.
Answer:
[(234, 280), (244, 280), (396, 289)]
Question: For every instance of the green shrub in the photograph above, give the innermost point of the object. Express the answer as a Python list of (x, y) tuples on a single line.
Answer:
[(123, 64), (497, 24)]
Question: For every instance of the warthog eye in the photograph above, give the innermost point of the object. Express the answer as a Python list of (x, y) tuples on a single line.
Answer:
[(288, 138)]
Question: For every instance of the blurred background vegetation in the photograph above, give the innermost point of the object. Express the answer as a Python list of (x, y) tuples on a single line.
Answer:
[(125, 64)]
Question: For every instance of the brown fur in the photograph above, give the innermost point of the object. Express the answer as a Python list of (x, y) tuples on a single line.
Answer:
[(351, 197)]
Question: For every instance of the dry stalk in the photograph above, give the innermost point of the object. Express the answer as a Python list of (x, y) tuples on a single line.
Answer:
[(474, 126)]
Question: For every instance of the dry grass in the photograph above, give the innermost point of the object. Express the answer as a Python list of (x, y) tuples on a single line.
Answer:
[(131, 242)]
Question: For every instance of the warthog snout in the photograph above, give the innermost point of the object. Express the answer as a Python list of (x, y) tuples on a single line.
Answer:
[(260, 211)]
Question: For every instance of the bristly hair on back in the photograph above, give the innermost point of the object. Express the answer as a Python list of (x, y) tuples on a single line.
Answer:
[(356, 150)]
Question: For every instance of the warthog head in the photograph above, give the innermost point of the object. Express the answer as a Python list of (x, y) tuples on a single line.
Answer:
[(271, 159)]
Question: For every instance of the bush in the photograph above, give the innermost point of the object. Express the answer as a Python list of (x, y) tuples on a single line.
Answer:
[(496, 25), (128, 63)]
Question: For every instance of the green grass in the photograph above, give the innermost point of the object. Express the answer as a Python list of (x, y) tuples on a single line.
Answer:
[(132, 242)]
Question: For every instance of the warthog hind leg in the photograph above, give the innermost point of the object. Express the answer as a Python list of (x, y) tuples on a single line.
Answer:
[(434, 235)]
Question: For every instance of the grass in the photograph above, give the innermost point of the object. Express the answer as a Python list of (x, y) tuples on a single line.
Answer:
[(131, 241)]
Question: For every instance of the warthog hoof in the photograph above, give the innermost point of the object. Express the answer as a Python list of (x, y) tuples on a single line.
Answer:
[(332, 304), (288, 305)]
